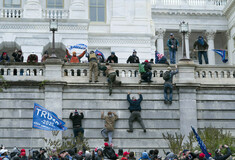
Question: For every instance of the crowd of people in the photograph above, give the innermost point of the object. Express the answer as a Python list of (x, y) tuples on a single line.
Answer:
[(107, 153)]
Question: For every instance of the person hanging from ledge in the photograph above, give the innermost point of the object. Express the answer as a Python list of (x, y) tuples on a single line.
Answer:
[(93, 66), (110, 120), (32, 58), (168, 77), (4, 57), (111, 76), (77, 123), (74, 57), (18, 56), (135, 110), (202, 48), (145, 72)]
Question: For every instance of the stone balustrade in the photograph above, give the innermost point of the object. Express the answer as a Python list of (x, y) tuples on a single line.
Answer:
[(215, 3), (127, 73), (11, 13), (55, 13)]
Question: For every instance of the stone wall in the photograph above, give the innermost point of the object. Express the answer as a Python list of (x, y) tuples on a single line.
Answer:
[(203, 96)]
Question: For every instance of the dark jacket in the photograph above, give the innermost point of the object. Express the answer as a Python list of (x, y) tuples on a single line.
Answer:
[(6, 59), (163, 60), (147, 66), (134, 105), (77, 120), (133, 59), (17, 57), (110, 58), (199, 46), (171, 78), (174, 42), (223, 157), (32, 58)]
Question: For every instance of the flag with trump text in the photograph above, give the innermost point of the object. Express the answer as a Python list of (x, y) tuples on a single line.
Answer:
[(46, 120), (201, 144)]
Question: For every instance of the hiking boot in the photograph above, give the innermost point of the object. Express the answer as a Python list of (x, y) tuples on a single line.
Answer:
[(165, 102), (106, 139), (170, 102), (129, 130), (90, 81), (144, 130)]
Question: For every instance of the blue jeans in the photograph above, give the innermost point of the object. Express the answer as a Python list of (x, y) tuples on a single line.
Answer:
[(172, 56), (107, 134), (166, 87), (204, 53), (146, 76)]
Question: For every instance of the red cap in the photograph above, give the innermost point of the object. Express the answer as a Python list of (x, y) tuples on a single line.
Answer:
[(209, 153), (125, 154), (106, 144), (23, 154), (116, 154), (201, 155), (22, 150), (146, 61), (96, 149), (4, 53)]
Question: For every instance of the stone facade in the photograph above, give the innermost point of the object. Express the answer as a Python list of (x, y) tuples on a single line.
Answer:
[(203, 96), (144, 27)]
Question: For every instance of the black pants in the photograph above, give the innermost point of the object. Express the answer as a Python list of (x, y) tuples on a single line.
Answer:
[(76, 131), (135, 115)]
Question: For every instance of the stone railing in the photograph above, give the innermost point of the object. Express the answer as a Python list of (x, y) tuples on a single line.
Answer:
[(215, 3), (55, 13), (127, 73), (11, 13)]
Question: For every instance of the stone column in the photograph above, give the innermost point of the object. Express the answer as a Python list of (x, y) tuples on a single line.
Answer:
[(54, 91), (78, 9), (32, 9), (230, 48), (160, 40), (210, 35), (187, 44), (187, 96)]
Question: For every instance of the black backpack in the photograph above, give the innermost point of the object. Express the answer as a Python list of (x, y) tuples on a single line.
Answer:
[(167, 75), (110, 153)]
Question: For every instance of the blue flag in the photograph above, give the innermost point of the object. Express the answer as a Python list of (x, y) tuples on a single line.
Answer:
[(201, 144), (222, 53), (78, 46), (46, 120)]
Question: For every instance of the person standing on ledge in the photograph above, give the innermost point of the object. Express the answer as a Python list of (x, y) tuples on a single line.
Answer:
[(135, 110), (173, 45), (133, 58), (110, 120), (168, 77), (93, 66), (77, 123), (202, 48)]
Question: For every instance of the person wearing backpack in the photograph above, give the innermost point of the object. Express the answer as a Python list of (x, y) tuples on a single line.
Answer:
[(173, 45), (108, 152), (145, 72), (168, 77)]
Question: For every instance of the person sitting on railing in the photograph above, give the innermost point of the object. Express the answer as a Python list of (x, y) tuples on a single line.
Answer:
[(74, 58), (18, 56), (133, 58), (112, 58), (202, 48), (45, 56), (111, 76), (145, 71), (168, 77), (4, 57), (161, 59), (32, 58)]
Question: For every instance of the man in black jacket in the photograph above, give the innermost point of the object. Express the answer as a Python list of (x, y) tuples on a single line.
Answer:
[(135, 110), (112, 58), (219, 156), (147, 75), (133, 58), (18, 57), (77, 123)]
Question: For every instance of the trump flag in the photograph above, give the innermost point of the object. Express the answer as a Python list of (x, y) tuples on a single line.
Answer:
[(46, 120)]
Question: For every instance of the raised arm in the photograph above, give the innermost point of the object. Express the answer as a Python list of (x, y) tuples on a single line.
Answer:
[(71, 116), (102, 115), (83, 53), (115, 116)]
